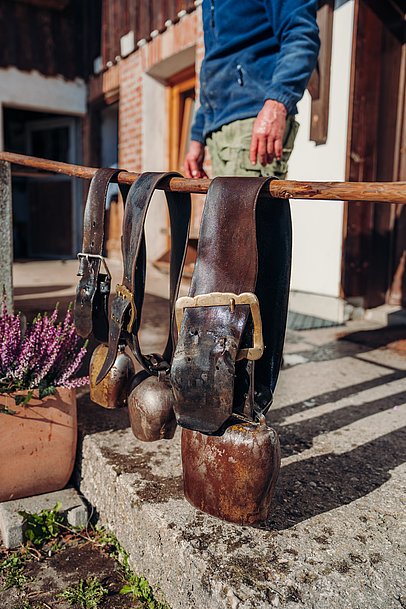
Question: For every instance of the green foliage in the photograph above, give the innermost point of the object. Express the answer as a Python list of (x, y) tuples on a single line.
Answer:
[(22, 400), (45, 391), (42, 527), (87, 594), (142, 591), (12, 571), (136, 585)]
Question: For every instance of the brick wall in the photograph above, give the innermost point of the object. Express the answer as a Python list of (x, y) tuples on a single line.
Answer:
[(133, 119), (186, 33)]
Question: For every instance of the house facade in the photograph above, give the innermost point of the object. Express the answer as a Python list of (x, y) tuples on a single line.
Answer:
[(133, 98), (45, 54)]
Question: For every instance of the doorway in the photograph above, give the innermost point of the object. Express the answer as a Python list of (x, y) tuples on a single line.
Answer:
[(46, 207), (374, 262), (181, 110)]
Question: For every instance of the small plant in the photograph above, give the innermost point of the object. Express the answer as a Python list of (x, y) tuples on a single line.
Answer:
[(87, 594), (41, 528), (41, 356), (136, 585), (140, 589), (12, 571)]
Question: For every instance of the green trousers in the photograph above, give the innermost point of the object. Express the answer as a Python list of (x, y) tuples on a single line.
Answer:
[(229, 150)]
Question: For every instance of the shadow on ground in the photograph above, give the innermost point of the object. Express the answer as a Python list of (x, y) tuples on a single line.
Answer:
[(320, 484), (391, 337), (297, 437)]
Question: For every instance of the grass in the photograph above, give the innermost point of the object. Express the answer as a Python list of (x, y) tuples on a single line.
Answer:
[(86, 594), (12, 571), (47, 534)]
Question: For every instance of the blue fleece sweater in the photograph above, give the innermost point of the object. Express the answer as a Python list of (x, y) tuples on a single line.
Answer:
[(254, 50)]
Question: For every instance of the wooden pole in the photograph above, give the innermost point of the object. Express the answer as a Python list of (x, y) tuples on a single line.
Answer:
[(6, 235), (377, 192)]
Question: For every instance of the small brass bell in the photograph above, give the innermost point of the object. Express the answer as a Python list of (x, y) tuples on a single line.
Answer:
[(112, 391), (150, 407), (232, 476)]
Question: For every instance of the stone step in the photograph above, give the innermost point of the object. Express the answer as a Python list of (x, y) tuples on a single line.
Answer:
[(333, 540), (334, 537)]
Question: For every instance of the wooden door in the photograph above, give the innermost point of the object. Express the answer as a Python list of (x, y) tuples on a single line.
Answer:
[(53, 200), (50, 202), (375, 236), (181, 107)]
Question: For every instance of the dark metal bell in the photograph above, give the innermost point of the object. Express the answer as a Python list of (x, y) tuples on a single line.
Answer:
[(232, 476), (112, 391), (150, 406)]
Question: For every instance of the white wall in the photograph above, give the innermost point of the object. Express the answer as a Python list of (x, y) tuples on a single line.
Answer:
[(33, 91), (318, 225), (155, 158)]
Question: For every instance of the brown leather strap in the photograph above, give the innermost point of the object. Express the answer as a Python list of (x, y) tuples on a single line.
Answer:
[(91, 305), (127, 305), (204, 365)]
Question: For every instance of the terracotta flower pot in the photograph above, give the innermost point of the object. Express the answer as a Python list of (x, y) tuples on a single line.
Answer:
[(38, 444)]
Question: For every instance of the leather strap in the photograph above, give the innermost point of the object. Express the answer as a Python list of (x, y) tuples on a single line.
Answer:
[(204, 365), (127, 305), (92, 294)]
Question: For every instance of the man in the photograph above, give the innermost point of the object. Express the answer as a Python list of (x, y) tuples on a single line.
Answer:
[(259, 55)]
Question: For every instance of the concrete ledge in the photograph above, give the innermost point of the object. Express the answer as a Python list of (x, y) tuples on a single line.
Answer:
[(325, 547), (334, 538)]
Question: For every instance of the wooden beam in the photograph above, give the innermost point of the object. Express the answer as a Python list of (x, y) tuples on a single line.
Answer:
[(319, 85), (6, 236), (379, 192)]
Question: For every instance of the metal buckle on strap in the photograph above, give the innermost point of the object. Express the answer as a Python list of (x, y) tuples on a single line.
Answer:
[(215, 299), (125, 293), (86, 256)]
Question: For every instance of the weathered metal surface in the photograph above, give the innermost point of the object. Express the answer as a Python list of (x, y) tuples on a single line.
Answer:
[(232, 476), (112, 391), (151, 400), (378, 192), (6, 235), (150, 407), (221, 316)]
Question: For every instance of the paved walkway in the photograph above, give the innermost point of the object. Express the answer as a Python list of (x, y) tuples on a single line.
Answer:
[(38, 285)]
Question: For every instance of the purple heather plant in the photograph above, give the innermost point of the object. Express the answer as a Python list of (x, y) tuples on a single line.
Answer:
[(46, 355)]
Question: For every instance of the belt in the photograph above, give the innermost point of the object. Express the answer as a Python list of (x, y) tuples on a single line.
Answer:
[(220, 322), (92, 294), (127, 304)]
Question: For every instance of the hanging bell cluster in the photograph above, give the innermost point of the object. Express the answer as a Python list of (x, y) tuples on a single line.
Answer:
[(205, 378)]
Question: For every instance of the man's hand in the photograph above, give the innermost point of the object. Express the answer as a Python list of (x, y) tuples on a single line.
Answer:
[(267, 133), (193, 164)]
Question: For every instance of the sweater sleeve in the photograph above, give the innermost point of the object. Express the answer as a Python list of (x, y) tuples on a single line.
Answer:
[(295, 27), (198, 126)]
